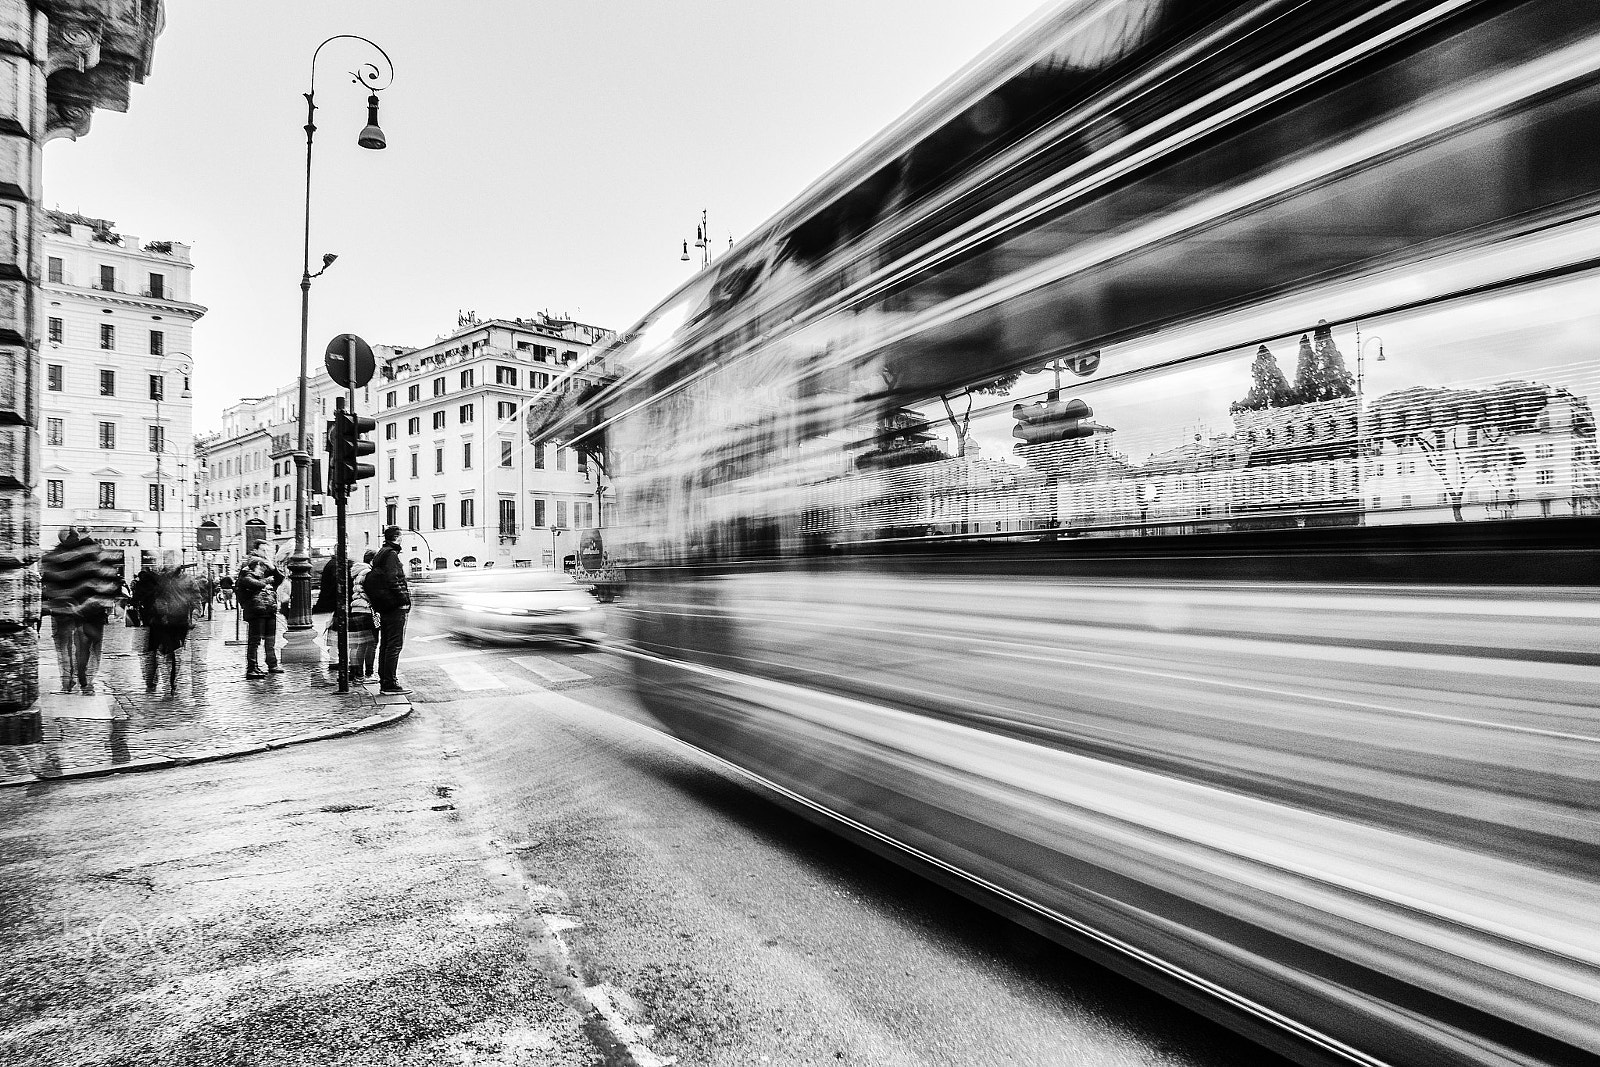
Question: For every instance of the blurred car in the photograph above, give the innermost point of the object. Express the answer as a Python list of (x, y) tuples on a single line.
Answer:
[(515, 605)]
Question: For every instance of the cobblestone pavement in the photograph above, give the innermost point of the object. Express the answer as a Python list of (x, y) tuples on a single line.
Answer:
[(214, 710)]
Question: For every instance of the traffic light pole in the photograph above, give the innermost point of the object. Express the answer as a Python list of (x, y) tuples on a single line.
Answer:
[(350, 363), (342, 561)]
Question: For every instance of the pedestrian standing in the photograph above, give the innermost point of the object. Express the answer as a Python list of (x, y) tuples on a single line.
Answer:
[(389, 593), (362, 647), (226, 588), (363, 620), (257, 585), (166, 602)]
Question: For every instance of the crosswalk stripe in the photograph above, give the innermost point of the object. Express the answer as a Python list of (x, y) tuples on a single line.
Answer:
[(549, 670), (431, 637), (471, 677), (466, 653)]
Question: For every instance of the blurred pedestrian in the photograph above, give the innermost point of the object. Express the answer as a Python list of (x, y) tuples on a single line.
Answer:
[(257, 586), (55, 581), (166, 601), (132, 591), (389, 593), (78, 584)]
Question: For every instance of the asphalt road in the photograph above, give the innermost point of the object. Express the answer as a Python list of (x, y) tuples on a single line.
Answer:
[(738, 931), (524, 872)]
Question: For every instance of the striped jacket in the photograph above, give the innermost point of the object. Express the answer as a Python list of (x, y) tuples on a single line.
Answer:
[(77, 578)]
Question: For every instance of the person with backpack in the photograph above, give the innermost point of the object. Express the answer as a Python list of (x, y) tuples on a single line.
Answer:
[(389, 592), (257, 588)]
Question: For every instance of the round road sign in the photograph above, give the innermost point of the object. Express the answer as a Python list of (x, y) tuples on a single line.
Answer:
[(338, 361)]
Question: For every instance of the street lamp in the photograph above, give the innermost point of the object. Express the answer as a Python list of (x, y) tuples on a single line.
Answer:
[(161, 448), (1361, 450), (369, 76), (702, 241)]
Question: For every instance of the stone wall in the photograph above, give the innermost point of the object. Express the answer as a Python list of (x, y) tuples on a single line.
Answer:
[(59, 61)]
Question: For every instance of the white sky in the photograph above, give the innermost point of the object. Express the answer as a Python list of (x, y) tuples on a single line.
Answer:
[(543, 154)]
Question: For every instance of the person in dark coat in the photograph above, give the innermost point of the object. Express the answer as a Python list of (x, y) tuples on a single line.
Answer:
[(79, 588), (166, 601), (389, 593), (257, 587)]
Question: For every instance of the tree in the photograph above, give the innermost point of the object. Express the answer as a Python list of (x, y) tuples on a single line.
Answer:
[(1269, 388), (994, 387), (1320, 373), (1462, 433)]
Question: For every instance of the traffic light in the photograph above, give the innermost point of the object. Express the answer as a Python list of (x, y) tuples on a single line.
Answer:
[(346, 445), (1052, 419)]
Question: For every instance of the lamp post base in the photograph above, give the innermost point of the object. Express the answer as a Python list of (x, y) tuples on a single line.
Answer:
[(300, 636), (301, 646)]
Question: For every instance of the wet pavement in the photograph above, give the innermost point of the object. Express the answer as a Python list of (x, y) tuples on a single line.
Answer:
[(324, 904), (214, 712)]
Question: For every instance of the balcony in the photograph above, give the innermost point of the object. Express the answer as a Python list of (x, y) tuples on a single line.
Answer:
[(508, 532), (282, 445)]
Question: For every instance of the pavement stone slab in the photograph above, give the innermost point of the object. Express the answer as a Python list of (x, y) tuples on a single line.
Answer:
[(213, 712)]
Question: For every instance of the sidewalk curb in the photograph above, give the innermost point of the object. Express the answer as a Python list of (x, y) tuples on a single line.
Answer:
[(161, 763)]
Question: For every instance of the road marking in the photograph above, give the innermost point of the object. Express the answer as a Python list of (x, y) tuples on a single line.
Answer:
[(549, 669), (465, 653), (431, 637), (471, 677)]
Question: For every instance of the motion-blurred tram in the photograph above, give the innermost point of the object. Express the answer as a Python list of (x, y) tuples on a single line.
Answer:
[(1153, 488)]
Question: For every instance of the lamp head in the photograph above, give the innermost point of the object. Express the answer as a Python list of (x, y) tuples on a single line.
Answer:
[(372, 135), (328, 258), (685, 256), (1380, 353)]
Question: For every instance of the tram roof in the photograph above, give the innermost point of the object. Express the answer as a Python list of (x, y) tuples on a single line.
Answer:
[(1071, 39)]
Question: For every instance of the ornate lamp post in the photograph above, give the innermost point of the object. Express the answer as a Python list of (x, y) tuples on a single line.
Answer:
[(300, 644), (160, 450), (1361, 441), (702, 241)]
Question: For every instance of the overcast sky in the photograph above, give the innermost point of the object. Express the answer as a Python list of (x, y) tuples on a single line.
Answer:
[(543, 154)]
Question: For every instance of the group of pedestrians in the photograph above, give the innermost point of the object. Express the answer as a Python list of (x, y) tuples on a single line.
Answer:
[(81, 588), (380, 600)]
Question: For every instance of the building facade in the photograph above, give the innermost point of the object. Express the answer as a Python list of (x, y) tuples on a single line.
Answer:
[(117, 457), (58, 63), (248, 472), (455, 468)]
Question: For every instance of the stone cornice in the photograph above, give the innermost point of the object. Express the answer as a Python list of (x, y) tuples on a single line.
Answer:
[(103, 296), (96, 50)]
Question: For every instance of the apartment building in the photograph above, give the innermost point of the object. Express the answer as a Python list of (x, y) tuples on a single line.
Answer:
[(117, 360), (455, 468), (248, 472)]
